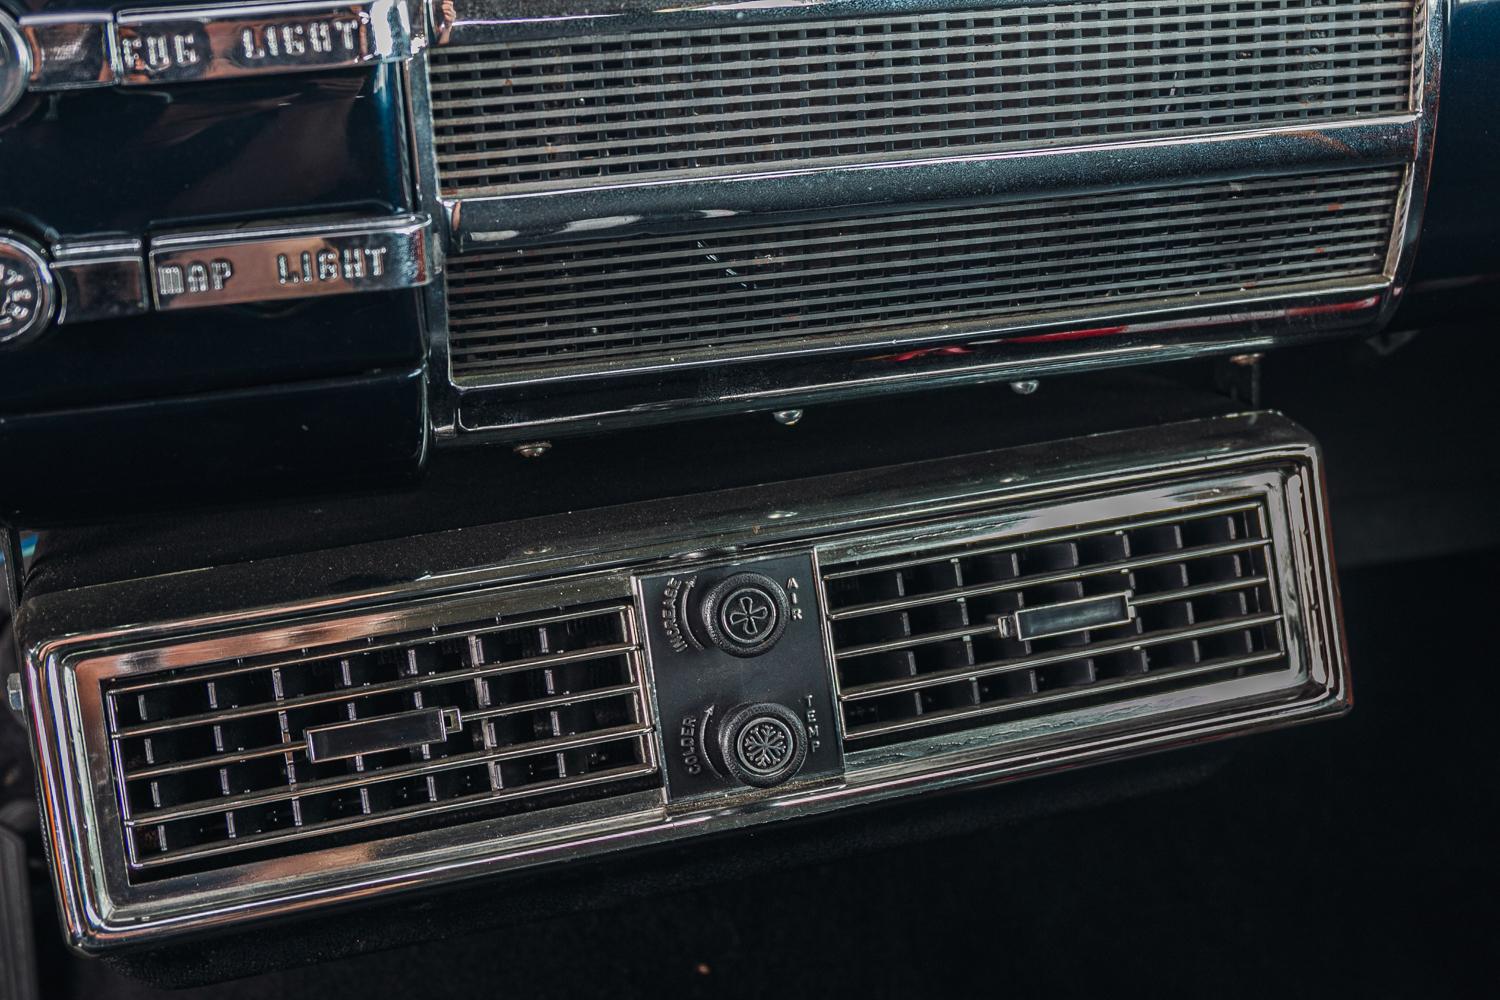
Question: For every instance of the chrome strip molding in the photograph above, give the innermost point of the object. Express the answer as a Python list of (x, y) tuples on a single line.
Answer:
[(200, 268), (103, 279), (15, 63), (258, 740), (154, 46), (111, 277)]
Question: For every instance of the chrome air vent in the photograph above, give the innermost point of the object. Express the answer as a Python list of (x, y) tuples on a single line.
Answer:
[(543, 115), (957, 635), (263, 756), (659, 671), (898, 275)]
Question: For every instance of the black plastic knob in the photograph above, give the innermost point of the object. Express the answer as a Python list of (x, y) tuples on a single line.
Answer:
[(744, 614), (763, 744)]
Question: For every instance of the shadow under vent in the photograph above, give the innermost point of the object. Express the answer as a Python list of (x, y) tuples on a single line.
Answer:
[(574, 112), (245, 755), (928, 643)]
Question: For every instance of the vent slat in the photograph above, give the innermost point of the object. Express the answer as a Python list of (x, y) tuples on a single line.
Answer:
[(517, 277), (1119, 566), (569, 113), (547, 107), (1017, 262), (925, 641), (1046, 660), (1272, 193), (1220, 666), (1211, 26), (363, 779), (371, 690), (219, 848), (1290, 242), (866, 567), (214, 761), (1292, 98)]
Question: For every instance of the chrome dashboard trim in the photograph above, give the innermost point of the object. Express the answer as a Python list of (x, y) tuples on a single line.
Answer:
[(16, 61), (71, 639), (28, 291), (211, 267), (1434, 17), (564, 399), (100, 279), (70, 51), (152, 46), (777, 379), (993, 177)]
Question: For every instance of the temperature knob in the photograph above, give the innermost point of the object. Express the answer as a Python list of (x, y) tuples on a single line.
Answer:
[(762, 745)]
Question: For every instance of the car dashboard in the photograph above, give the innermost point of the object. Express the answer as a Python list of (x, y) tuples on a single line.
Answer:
[(451, 444)]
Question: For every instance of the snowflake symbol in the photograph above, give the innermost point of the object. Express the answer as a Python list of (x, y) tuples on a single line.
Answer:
[(764, 745)]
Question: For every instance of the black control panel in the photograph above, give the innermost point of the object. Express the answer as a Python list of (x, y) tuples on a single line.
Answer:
[(742, 677), (197, 200)]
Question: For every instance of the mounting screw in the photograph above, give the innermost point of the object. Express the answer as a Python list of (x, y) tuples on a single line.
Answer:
[(1245, 359), (1025, 387), (787, 417), (533, 449), (13, 695)]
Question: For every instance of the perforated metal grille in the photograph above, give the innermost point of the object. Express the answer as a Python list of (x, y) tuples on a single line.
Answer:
[(882, 276), (214, 761), (574, 112), (919, 644)]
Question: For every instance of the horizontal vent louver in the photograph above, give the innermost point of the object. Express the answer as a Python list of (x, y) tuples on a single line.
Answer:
[(921, 644), (215, 761), (572, 112), (885, 275)]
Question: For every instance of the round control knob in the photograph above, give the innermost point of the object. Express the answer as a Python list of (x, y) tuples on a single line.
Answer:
[(762, 745), (15, 62), (27, 294), (744, 614)]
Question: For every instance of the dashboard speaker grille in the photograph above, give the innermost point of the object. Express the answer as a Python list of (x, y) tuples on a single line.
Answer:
[(566, 113), (879, 277), (242, 756), (928, 642)]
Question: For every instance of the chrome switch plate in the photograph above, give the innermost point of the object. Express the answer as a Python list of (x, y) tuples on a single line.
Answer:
[(268, 263)]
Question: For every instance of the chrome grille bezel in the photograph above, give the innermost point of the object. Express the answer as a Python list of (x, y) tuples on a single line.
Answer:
[(995, 721), (527, 404), (72, 640), (294, 787)]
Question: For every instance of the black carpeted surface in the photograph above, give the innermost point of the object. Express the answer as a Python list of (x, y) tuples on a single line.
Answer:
[(1351, 858)]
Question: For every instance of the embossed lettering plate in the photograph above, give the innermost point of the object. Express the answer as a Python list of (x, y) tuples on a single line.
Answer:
[(189, 270), (68, 50), (217, 42)]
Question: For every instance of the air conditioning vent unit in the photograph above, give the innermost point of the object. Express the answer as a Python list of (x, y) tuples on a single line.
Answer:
[(954, 636), (267, 755), (252, 740)]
